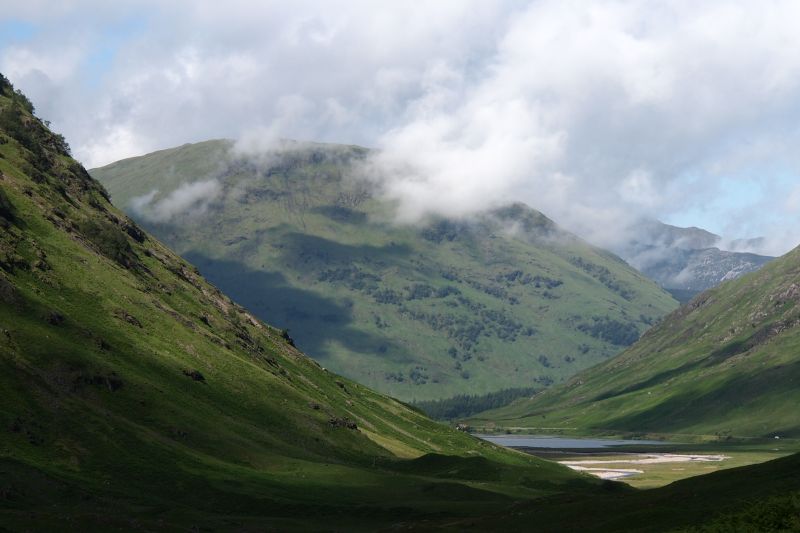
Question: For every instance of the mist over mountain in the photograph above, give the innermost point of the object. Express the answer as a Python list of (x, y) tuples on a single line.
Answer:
[(597, 114), (252, 333), (136, 395), (687, 261), (304, 235)]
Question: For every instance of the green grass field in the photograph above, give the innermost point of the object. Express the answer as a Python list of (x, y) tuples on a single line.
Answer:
[(663, 473)]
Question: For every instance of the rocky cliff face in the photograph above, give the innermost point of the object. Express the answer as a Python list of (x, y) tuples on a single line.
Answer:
[(686, 261)]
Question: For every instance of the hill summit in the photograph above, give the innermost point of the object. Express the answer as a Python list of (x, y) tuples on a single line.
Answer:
[(445, 307)]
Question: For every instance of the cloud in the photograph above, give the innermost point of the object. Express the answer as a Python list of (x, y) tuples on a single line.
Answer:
[(188, 200), (602, 113), (596, 113)]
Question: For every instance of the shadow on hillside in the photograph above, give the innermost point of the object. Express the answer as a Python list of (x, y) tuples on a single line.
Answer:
[(696, 405), (312, 319), (309, 252)]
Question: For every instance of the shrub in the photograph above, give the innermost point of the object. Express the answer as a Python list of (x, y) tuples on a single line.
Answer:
[(110, 241), (6, 207)]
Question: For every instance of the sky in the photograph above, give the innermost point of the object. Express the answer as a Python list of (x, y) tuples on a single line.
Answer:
[(597, 113)]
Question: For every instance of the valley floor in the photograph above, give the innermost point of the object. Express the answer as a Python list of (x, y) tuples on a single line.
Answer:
[(652, 470), (650, 465)]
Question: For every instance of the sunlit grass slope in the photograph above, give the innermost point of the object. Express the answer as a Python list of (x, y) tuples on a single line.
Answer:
[(134, 394)]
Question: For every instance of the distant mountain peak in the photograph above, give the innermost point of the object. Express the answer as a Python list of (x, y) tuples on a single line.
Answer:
[(685, 261)]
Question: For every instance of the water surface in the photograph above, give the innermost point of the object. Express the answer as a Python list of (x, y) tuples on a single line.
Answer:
[(562, 443)]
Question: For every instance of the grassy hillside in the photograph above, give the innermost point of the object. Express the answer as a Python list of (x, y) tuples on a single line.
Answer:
[(137, 395), (725, 365), (747, 499), (420, 312)]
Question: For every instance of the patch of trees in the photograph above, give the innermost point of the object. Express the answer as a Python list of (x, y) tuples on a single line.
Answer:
[(418, 376), (420, 291), (450, 275), (5, 86), (469, 304), (465, 405), (460, 356), (352, 277), (447, 290), (353, 198), (340, 213), (110, 241), (604, 276), (17, 120), (397, 377), (492, 290), (442, 230), (415, 291), (387, 296), (611, 330), (518, 277), (467, 331), (7, 210)]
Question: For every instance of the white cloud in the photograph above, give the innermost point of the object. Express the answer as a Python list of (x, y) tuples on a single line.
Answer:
[(598, 112), (594, 112), (190, 199)]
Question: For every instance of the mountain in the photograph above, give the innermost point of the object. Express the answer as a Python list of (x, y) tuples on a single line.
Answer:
[(687, 261), (135, 395), (726, 364), (507, 299)]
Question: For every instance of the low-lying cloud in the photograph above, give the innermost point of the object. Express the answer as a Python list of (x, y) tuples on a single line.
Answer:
[(187, 201), (596, 113), (601, 114)]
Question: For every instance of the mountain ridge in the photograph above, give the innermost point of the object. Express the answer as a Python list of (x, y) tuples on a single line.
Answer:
[(505, 299), (724, 365), (137, 396), (687, 261)]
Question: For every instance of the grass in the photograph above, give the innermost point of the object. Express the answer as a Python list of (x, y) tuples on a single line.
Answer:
[(418, 312), (136, 394), (661, 474), (697, 503), (725, 367)]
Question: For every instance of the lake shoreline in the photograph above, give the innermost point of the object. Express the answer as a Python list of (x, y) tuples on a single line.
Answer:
[(641, 463)]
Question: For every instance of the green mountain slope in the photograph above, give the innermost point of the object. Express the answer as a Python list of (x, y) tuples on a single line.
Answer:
[(136, 396), (506, 300), (749, 499), (728, 363), (133, 394)]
